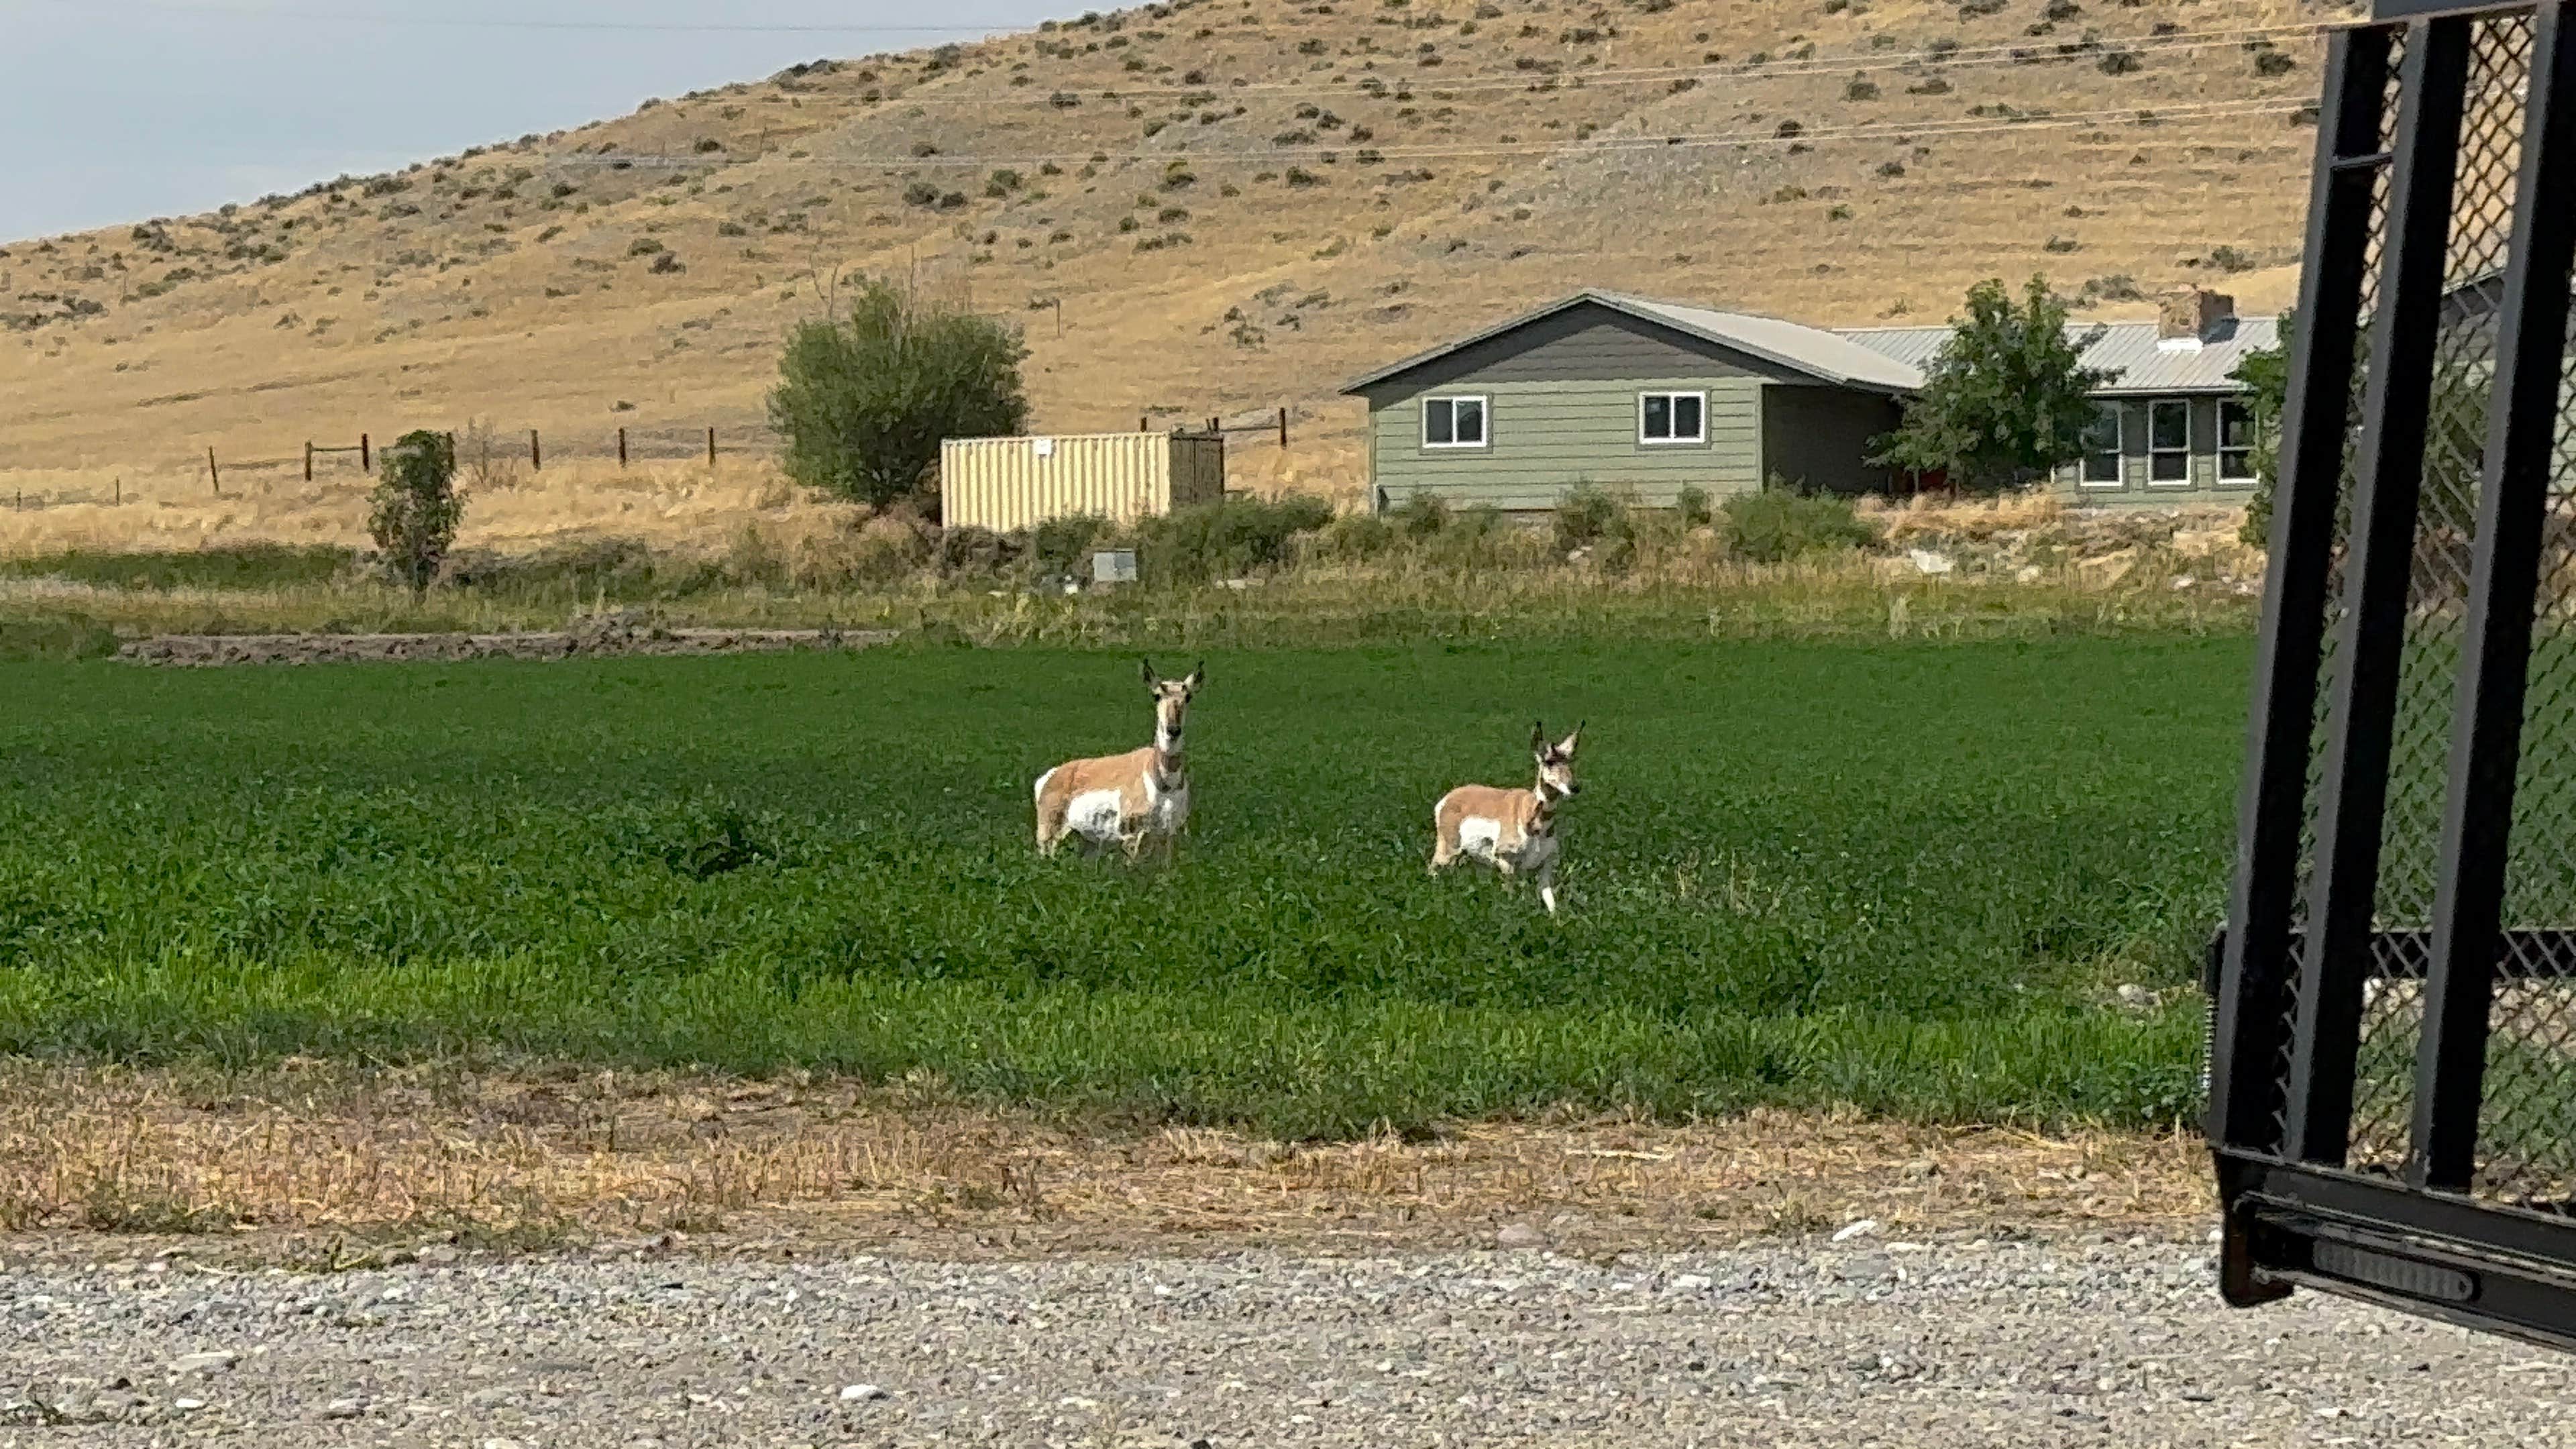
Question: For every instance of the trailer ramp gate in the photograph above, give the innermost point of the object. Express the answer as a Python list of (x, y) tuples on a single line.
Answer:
[(2392, 1096)]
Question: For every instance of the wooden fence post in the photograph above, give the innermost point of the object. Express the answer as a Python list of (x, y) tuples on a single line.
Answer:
[(536, 457), (213, 474), (621, 447), (1283, 427), (1141, 421), (366, 457), (711, 447), (308, 460)]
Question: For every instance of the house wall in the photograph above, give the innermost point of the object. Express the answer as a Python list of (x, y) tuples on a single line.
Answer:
[(1818, 438), (1545, 439), (2135, 485), (1562, 398)]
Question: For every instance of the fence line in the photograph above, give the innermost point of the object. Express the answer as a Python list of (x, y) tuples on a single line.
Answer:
[(624, 450)]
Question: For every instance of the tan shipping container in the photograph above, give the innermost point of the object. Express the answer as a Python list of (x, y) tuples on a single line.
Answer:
[(1013, 483)]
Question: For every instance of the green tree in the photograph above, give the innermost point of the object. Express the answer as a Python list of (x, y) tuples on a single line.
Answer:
[(864, 398), (2266, 376), (415, 508), (2006, 399)]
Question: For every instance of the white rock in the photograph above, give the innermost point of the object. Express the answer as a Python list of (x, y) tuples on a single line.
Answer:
[(186, 1404), (1927, 562), (1690, 1283), (2135, 996), (1849, 1231), (1520, 1235), (863, 1394), (2181, 582), (344, 1409), (2026, 574), (214, 1362)]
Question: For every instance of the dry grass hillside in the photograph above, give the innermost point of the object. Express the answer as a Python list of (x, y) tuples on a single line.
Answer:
[(1194, 208)]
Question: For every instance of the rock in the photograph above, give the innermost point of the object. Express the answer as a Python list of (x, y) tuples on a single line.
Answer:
[(1690, 1283), (2136, 997), (1925, 561), (1520, 1235), (1861, 1229), (213, 1362), (2027, 574), (436, 1255), (2181, 582), (863, 1394), (184, 1405), (344, 1408)]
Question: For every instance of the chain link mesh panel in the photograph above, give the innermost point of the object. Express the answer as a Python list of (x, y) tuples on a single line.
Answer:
[(2464, 366), (2327, 664)]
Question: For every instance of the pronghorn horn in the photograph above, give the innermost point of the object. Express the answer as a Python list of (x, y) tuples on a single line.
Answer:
[(1538, 736), (1151, 678)]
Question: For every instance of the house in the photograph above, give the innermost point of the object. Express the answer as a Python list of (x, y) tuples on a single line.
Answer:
[(1646, 398)]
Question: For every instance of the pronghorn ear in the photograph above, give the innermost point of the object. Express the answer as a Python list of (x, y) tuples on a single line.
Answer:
[(1538, 738), (1566, 746), (1151, 679), (1198, 676)]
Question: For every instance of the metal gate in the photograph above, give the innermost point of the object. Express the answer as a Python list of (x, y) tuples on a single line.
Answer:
[(2393, 1074)]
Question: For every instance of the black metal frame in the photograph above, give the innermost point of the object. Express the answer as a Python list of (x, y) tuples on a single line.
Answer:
[(2296, 1213)]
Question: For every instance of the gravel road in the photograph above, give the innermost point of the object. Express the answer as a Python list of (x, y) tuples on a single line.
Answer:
[(1868, 1343)]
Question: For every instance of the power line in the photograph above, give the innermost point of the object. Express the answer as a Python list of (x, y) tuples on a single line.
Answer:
[(1887, 130), (460, 22)]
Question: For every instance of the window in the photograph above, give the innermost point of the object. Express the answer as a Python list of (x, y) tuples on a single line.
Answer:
[(2102, 448), (2169, 443), (1672, 417), (2235, 440), (1453, 422)]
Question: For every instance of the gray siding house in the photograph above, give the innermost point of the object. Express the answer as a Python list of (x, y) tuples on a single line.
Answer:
[(1646, 398)]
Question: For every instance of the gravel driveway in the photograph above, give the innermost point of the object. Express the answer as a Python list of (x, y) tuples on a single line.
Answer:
[(1959, 1342)]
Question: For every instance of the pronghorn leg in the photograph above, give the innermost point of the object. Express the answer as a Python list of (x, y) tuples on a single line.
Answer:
[(1547, 887), (1443, 855), (1050, 834)]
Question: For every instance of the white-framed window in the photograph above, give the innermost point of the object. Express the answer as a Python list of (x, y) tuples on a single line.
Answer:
[(1454, 422), (2101, 466), (2169, 443), (1672, 417), (2236, 433)]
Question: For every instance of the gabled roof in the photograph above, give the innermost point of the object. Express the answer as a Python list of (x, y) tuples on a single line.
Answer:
[(1825, 356), (2134, 349)]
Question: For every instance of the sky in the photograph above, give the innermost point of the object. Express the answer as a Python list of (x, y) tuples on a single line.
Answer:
[(123, 110)]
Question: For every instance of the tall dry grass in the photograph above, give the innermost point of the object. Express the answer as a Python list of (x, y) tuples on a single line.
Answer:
[(665, 505)]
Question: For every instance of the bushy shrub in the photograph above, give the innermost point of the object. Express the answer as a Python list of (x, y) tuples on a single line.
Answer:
[(1354, 536), (1062, 546), (864, 398), (415, 510), (1225, 540), (1691, 507), (1584, 517), (1781, 523), (1423, 515)]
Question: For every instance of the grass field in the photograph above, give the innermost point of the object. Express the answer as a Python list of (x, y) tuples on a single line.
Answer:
[(1904, 877)]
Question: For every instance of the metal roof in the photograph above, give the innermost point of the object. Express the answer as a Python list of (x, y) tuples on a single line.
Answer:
[(1827, 356), (2134, 349)]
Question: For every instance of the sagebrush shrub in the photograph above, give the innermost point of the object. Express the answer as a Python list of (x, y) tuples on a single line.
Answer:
[(1781, 523)]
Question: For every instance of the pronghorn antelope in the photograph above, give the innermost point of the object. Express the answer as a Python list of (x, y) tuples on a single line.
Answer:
[(1131, 799), (1514, 831)]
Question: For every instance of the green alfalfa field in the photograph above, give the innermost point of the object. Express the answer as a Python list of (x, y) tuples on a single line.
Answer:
[(1908, 878)]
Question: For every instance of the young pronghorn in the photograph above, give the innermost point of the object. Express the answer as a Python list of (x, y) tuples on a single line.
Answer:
[(1132, 799), (1514, 831)]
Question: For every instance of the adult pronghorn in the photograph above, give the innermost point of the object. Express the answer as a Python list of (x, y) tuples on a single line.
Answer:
[(1131, 799), (1514, 831)]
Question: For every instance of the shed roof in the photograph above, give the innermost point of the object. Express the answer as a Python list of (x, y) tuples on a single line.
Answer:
[(1826, 356), (2134, 349)]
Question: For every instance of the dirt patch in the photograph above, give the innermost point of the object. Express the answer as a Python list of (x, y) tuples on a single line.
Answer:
[(275, 1162), (578, 642)]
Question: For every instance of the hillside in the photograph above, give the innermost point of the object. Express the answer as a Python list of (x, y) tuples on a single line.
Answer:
[(1194, 208)]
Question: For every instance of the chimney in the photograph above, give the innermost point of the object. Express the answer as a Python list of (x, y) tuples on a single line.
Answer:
[(2187, 316)]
